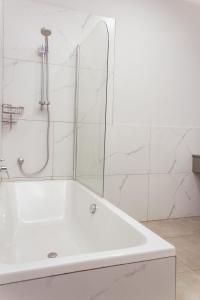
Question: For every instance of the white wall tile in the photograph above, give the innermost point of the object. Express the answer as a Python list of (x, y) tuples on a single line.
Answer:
[(22, 86), (158, 64), (98, 44), (158, 58), (90, 149), (94, 50), (156, 83), (112, 188), (92, 96), (27, 139), (23, 21), (94, 183), (172, 149), (169, 150), (130, 193), (63, 150), (132, 103), (173, 196), (1, 68), (127, 150), (23, 39), (69, 28), (62, 93)]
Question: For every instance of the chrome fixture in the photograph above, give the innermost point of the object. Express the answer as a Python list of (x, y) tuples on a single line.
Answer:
[(10, 114), (3, 169), (93, 208), (44, 101), (20, 161), (43, 52), (52, 255)]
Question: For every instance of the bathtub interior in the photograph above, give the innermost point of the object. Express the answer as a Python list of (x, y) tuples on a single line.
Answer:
[(38, 218)]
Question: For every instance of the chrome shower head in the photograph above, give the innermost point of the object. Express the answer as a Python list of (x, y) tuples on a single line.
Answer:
[(46, 32)]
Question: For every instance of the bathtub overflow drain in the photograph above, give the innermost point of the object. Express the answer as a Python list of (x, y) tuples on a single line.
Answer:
[(93, 208), (52, 255)]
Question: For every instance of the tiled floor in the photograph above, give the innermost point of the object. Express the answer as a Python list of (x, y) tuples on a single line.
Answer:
[(184, 234)]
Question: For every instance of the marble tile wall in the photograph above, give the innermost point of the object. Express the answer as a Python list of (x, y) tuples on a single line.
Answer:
[(20, 68), (22, 82), (153, 117), (1, 66), (149, 171), (156, 124), (154, 127)]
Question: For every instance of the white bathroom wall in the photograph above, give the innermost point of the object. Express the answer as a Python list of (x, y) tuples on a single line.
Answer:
[(155, 127), (156, 121), (22, 83), (1, 68)]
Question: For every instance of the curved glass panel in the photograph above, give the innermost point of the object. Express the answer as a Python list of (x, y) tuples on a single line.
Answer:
[(91, 108)]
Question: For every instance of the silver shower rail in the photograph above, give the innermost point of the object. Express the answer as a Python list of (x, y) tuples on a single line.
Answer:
[(43, 52), (44, 101)]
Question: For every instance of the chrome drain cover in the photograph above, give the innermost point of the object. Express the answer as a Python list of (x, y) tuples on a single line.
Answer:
[(52, 255)]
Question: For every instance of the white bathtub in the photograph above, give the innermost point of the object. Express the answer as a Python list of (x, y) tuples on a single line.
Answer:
[(38, 218)]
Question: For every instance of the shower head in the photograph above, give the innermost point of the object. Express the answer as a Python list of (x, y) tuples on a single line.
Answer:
[(45, 32)]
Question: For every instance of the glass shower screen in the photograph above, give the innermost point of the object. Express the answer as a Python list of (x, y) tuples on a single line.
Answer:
[(91, 104)]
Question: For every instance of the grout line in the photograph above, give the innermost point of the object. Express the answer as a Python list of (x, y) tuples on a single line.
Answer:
[(56, 64), (14, 179), (146, 174), (61, 121), (147, 125), (36, 62)]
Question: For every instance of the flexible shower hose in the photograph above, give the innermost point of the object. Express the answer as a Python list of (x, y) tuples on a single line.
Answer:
[(45, 60), (47, 151)]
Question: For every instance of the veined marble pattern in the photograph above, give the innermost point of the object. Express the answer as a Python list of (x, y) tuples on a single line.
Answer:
[(90, 155), (69, 28), (130, 193), (63, 150), (172, 149), (18, 142), (92, 96), (143, 280), (23, 21), (22, 40), (22, 86), (33, 133), (127, 150), (141, 162), (162, 159), (173, 196), (1, 67)]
